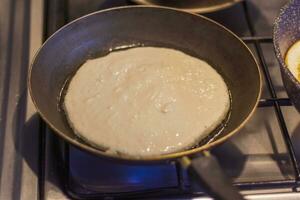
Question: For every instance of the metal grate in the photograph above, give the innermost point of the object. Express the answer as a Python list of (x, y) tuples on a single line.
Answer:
[(276, 102), (56, 17)]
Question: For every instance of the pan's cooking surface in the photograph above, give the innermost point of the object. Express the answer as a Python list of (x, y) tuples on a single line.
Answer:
[(257, 154), (152, 93)]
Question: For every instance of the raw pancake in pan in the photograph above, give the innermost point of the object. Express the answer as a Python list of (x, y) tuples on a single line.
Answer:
[(145, 101)]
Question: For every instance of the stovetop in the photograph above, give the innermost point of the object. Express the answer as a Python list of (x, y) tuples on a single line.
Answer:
[(36, 164)]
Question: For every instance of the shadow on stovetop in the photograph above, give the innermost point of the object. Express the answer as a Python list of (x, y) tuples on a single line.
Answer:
[(27, 138), (295, 136), (32, 148), (29, 149), (227, 154)]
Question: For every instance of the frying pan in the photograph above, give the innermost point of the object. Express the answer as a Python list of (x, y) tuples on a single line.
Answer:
[(96, 34)]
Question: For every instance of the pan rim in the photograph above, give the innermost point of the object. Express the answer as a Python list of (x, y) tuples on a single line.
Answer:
[(194, 10), (169, 156)]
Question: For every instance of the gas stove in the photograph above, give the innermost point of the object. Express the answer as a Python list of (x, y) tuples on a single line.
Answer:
[(262, 159)]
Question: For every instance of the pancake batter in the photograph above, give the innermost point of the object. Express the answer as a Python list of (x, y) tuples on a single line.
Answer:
[(146, 101)]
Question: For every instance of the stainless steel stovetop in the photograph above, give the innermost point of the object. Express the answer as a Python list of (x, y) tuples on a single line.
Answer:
[(35, 164)]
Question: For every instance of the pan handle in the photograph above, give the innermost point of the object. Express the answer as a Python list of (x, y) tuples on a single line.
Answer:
[(207, 172)]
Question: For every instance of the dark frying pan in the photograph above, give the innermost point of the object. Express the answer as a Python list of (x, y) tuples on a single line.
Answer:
[(95, 34)]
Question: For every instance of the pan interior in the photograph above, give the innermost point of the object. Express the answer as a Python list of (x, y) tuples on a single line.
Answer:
[(97, 34), (211, 137)]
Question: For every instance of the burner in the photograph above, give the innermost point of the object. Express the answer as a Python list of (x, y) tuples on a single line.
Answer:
[(99, 175)]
